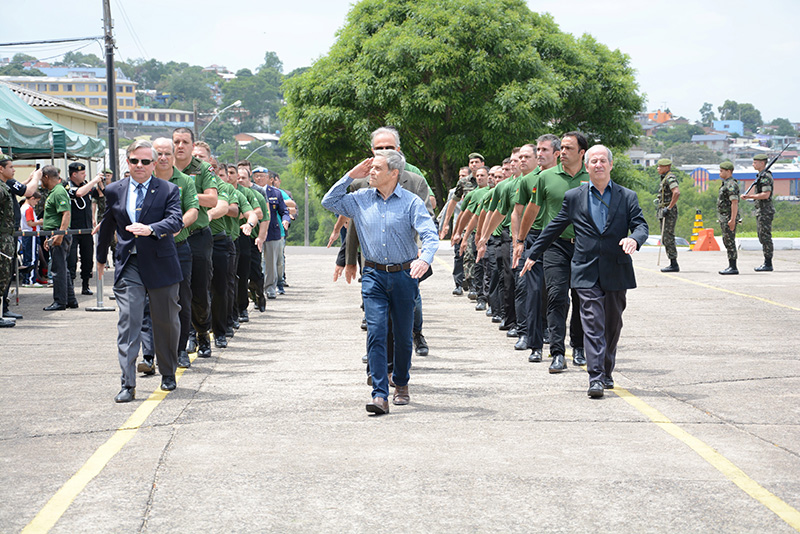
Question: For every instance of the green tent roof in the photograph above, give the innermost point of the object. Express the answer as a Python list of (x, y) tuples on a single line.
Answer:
[(26, 132)]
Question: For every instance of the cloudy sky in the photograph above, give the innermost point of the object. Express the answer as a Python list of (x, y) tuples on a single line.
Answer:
[(685, 52)]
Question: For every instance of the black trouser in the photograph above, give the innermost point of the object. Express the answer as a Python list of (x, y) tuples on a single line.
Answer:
[(233, 281), (63, 292), (202, 244), (494, 296), (185, 292), (458, 267), (557, 259), (244, 244), (534, 289), (256, 274), (507, 281), (520, 293), (83, 243), (575, 324), (219, 284)]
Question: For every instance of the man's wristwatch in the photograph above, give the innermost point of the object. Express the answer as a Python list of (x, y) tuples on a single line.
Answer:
[(251, 224), (521, 241)]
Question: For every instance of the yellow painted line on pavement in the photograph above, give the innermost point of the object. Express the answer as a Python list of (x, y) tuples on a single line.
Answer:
[(788, 514), (61, 501), (708, 286), (441, 262)]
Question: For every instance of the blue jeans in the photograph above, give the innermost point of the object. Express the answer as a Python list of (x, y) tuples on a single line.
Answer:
[(418, 314), (388, 295)]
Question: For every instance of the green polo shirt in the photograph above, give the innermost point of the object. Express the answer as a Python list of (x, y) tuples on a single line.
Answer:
[(224, 192), (549, 196), (204, 178), (527, 186), (188, 198), (57, 203), (235, 222), (473, 199), (503, 202), (262, 203)]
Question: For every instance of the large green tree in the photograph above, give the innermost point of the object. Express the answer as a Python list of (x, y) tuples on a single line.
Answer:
[(454, 76), (784, 127), (747, 113)]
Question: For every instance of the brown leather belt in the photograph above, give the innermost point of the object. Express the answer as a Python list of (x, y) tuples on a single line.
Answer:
[(388, 268)]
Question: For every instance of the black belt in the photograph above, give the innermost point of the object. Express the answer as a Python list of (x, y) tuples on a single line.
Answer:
[(572, 241), (397, 267), (220, 236), (198, 230)]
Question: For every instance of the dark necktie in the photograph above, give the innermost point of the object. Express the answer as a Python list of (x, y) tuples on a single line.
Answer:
[(139, 200)]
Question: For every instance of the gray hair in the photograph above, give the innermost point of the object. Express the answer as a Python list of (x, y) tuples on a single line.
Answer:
[(394, 159), (555, 142), (140, 143), (598, 147), (162, 140), (386, 130)]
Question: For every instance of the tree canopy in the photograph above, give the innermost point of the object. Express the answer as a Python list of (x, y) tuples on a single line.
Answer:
[(747, 113), (454, 76)]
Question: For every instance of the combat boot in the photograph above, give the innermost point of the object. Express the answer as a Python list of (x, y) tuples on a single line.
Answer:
[(731, 269), (672, 267), (767, 266), (86, 290)]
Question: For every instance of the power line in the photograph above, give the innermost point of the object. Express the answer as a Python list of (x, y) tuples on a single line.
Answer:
[(50, 41), (136, 40)]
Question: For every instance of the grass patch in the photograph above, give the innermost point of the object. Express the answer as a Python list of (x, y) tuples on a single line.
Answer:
[(782, 233)]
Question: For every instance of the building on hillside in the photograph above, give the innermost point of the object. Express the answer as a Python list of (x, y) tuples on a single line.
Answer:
[(786, 185), (729, 127), (245, 139), (86, 86), (716, 142), (645, 159)]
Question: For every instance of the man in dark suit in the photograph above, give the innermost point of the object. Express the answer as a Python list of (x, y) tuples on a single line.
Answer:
[(602, 213), (146, 213)]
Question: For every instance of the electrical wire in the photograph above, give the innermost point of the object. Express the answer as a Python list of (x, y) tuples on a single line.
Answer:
[(136, 41)]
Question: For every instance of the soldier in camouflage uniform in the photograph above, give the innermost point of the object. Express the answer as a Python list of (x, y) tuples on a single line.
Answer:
[(464, 186), (668, 194), (765, 211), (728, 211), (7, 240)]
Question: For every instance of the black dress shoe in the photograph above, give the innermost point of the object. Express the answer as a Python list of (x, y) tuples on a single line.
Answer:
[(472, 295), (236, 325), (229, 332), (7, 323), (535, 356), (11, 315), (191, 343), (595, 389), (458, 291), (203, 345), (244, 317), (608, 383), (125, 395), (147, 366), (765, 267), (558, 365), (73, 305), (55, 307), (364, 324), (480, 306), (221, 342), (506, 325), (496, 319), (522, 343), (183, 360), (578, 356), (512, 332), (489, 312), (420, 345), (168, 382), (87, 291)]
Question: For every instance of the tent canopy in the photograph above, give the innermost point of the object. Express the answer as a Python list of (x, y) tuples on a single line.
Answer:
[(26, 132)]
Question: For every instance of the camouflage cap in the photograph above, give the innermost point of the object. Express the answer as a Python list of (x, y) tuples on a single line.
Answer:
[(476, 155), (727, 165), (665, 161), (760, 157)]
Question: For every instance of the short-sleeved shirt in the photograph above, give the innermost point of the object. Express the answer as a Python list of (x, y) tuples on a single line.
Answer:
[(728, 192), (527, 186), (204, 178), (668, 183), (411, 168), (262, 203), (473, 199), (81, 206), (553, 183), (502, 202), (764, 183), (188, 198), (244, 207), (19, 190), (57, 203), (224, 192)]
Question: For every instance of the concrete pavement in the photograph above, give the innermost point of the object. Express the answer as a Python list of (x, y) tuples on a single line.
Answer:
[(271, 435)]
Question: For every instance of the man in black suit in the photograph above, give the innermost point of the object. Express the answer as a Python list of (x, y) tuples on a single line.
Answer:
[(146, 213), (602, 213)]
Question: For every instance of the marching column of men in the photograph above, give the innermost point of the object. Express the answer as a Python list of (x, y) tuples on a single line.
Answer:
[(211, 253)]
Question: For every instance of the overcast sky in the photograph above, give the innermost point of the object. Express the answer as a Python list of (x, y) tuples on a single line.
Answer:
[(685, 52)]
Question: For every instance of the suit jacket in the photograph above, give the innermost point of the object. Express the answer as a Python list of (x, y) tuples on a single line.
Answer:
[(156, 254), (598, 258)]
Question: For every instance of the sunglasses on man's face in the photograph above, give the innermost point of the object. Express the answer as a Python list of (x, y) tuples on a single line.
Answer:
[(136, 161)]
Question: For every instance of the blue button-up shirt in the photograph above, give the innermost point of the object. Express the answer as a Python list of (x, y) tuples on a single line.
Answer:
[(131, 207), (598, 205), (387, 228)]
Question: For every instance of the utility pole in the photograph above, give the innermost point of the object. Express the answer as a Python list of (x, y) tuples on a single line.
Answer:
[(111, 90), (305, 215)]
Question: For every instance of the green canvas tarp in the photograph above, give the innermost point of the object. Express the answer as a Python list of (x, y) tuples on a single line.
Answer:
[(26, 132)]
